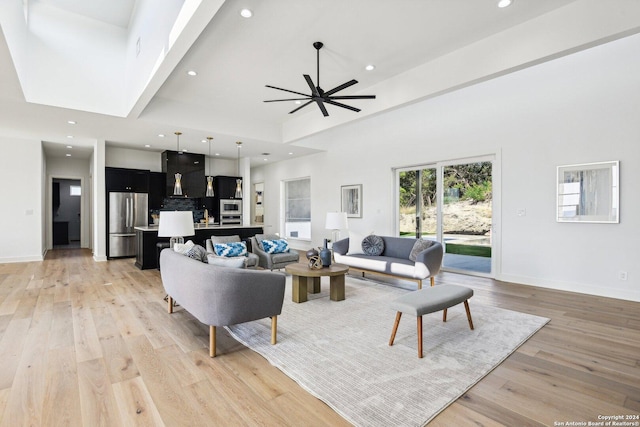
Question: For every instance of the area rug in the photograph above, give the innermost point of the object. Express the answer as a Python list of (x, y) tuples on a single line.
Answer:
[(339, 352)]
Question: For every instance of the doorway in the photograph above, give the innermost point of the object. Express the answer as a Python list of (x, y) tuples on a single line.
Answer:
[(452, 203), (258, 203), (66, 208)]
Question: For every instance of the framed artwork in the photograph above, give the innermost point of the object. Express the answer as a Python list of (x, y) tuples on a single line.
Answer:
[(352, 200), (588, 193)]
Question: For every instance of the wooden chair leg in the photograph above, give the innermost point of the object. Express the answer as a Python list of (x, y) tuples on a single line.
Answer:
[(433, 281), (395, 327), (212, 341), (466, 307), (169, 304), (419, 321), (419, 284), (274, 329), (444, 315)]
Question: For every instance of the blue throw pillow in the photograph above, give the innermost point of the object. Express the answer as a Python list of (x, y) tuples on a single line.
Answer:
[(275, 246), (230, 249)]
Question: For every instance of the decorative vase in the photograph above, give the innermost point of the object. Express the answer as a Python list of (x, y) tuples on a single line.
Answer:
[(325, 255), (311, 253)]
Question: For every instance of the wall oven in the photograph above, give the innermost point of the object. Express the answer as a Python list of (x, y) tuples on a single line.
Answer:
[(230, 212)]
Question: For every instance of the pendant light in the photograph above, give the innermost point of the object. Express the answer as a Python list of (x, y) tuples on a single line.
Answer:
[(209, 192), (238, 194), (177, 187)]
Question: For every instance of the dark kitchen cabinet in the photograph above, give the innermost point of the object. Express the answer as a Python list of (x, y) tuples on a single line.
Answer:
[(191, 167), (157, 189), (225, 186), (121, 179)]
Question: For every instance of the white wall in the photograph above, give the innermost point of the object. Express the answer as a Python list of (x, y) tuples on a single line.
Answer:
[(579, 108), (99, 203), (117, 157), (21, 223), (70, 169)]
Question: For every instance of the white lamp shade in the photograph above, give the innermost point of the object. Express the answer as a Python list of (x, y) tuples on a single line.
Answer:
[(176, 223), (336, 221)]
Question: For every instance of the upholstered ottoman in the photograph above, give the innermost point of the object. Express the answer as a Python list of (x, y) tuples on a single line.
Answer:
[(430, 300)]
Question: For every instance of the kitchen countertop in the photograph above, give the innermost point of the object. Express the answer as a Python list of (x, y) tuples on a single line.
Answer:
[(202, 227)]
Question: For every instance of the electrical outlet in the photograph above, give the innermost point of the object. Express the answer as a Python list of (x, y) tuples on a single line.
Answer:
[(622, 275), (521, 212)]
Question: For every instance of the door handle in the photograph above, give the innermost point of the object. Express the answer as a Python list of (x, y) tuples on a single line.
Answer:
[(126, 213)]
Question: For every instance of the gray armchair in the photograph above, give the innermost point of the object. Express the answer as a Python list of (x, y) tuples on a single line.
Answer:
[(221, 296), (252, 259), (272, 261)]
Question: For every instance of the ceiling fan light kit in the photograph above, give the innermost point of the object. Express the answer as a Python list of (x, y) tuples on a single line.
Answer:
[(319, 96)]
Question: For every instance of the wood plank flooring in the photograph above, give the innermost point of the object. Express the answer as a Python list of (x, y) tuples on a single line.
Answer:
[(90, 344)]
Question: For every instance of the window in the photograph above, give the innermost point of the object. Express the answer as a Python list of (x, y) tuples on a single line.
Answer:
[(297, 208), (75, 190)]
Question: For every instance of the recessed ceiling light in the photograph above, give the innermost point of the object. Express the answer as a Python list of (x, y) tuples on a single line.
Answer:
[(290, 153), (68, 155), (147, 145), (192, 73), (298, 102), (504, 3), (246, 13), (265, 160), (69, 146), (70, 136), (71, 122), (161, 135), (370, 67), (203, 140), (217, 154)]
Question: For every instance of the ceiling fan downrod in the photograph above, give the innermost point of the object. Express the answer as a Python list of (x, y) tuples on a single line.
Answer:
[(318, 46)]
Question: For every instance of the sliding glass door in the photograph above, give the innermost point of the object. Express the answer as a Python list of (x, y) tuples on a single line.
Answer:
[(417, 210), (450, 202)]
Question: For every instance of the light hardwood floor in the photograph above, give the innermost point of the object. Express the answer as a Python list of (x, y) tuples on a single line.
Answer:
[(88, 344)]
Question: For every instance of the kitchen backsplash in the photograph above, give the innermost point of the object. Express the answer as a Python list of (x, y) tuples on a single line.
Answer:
[(184, 204)]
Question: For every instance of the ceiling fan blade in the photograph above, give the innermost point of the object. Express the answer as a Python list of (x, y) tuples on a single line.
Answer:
[(354, 97), (338, 104), (290, 99), (342, 86), (314, 90), (302, 106), (287, 90), (320, 103)]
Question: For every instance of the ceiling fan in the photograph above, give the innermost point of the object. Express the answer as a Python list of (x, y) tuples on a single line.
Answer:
[(318, 95)]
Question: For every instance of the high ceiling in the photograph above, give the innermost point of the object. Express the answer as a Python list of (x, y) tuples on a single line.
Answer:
[(234, 58)]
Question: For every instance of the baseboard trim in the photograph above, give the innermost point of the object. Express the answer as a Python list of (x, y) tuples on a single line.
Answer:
[(8, 260), (627, 295)]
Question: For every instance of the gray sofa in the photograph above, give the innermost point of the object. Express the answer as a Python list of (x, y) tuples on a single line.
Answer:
[(394, 260), (221, 296), (272, 261)]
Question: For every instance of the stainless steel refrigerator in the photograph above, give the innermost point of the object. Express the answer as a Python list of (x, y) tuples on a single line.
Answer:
[(126, 210)]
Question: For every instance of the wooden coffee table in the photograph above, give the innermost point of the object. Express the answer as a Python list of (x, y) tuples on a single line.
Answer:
[(305, 279)]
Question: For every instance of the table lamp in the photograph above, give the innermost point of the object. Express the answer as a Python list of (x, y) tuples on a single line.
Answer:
[(336, 221), (176, 224)]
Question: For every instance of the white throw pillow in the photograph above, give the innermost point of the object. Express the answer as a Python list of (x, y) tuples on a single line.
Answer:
[(224, 261), (355, 243), (183, 248)]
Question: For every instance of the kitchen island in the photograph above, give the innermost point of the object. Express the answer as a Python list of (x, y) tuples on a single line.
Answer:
[(147, 239)]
